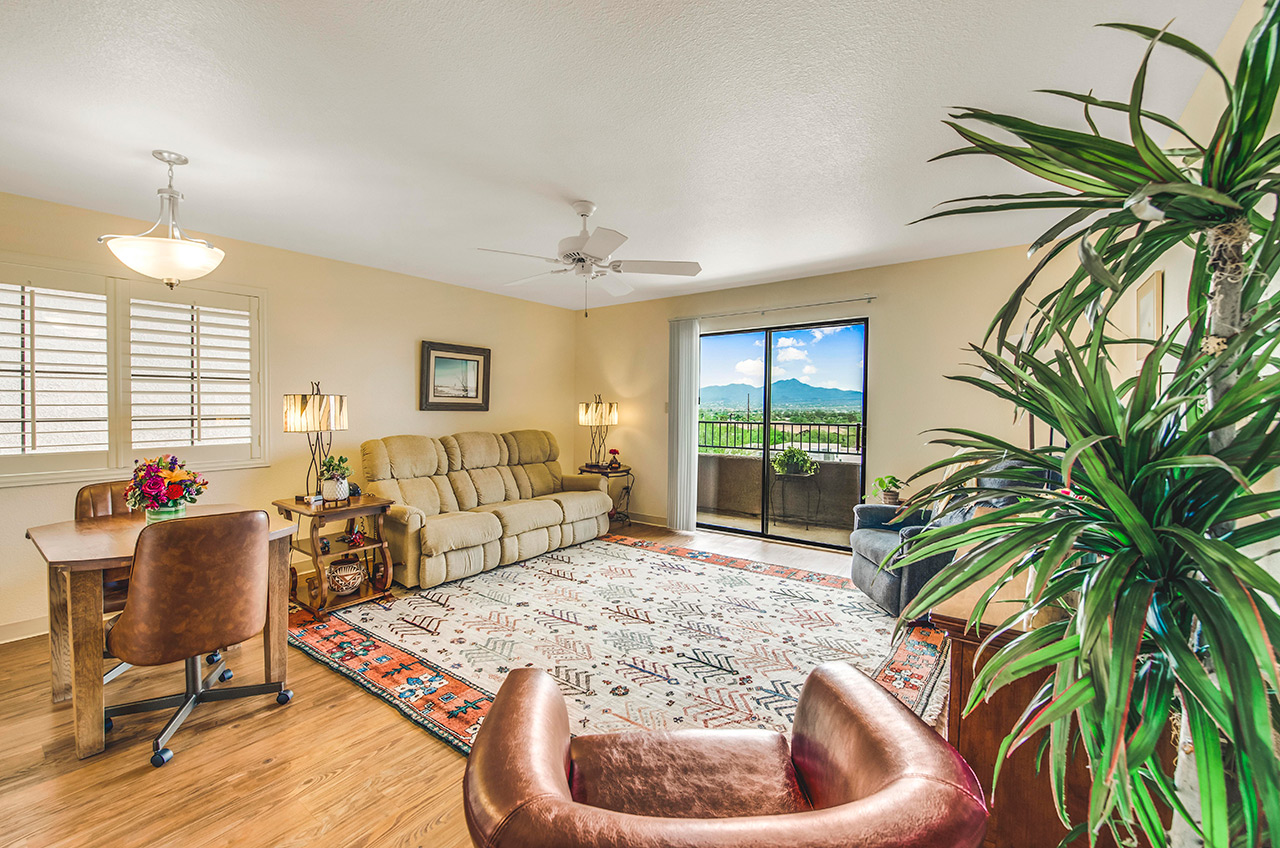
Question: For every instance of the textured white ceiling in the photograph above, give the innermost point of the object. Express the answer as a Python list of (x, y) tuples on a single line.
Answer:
[(765, 140)]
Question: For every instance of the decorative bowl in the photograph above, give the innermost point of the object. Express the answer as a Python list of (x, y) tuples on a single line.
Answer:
[(346, 575)]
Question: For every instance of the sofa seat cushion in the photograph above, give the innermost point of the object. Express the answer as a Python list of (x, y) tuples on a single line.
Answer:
[(453, 531), (580, 505), (522, 516), (687, 773), (874, 544)]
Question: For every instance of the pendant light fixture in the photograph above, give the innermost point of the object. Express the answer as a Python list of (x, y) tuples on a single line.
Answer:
[(170, 255)]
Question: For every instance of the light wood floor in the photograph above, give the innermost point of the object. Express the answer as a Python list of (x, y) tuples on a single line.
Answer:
[(336, 768)]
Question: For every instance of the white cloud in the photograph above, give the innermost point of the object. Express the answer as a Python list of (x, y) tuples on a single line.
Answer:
[(787, 341), (752, 369), (792, 354), (820, 332), (809, 369), (758, 343), (779, 371)]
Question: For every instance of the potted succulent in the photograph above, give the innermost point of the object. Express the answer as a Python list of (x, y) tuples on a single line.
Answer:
[(162, 487), (794, 461), (888, 488), (333, 479)]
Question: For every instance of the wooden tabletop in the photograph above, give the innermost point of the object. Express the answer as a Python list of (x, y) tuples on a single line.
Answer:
[(313, 509), (94, 544)]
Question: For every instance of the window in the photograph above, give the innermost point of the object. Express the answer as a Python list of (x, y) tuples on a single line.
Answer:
[(96, 372)]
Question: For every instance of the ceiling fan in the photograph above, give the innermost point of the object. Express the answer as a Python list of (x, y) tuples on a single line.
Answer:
[(588, 255)]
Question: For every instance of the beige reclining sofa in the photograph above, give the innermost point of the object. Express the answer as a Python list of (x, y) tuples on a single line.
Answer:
[(470, 502)]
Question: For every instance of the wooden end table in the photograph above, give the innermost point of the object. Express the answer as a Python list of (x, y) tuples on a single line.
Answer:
[(319, 601), (622, 507)]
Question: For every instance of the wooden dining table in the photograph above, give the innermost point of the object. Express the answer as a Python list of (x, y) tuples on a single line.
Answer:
[(77, 553)]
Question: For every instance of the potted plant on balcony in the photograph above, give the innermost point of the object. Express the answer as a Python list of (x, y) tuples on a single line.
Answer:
[(795, 462), (888, 488), (333, 479), (1150, 551), (162, 487)]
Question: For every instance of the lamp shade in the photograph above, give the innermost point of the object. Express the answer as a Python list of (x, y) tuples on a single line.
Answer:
[(314, 413), (166, 258), (597, 414)]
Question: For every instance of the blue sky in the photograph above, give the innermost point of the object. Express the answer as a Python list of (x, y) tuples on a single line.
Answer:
[(822, 356)]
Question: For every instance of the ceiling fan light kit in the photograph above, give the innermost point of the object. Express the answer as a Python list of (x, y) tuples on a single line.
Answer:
[(171, 256), (589, 255)]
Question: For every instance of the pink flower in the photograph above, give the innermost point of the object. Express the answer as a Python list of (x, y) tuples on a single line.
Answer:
[(153, 486)]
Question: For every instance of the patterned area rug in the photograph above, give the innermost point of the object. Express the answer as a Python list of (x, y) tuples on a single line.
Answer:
[(639, 636)]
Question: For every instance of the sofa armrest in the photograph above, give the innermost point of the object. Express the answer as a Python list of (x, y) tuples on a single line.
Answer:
[(401, 525), (585, 483), (885, 517)]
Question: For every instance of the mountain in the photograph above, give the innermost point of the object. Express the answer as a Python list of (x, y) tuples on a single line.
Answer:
[(786, 393)]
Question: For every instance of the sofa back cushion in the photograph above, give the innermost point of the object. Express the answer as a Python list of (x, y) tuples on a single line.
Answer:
[(533, 455), (411, 470)]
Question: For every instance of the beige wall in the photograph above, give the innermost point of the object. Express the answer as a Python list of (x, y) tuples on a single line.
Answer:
[(919, 325), (313, 306)]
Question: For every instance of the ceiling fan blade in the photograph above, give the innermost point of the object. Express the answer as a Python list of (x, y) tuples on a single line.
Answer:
[(524, 280), (603, 243), (513, 253), (647, 266), (614, 286)]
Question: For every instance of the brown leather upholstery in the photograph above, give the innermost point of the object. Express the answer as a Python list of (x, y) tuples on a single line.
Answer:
[(697, 774), (198, 583), (96, 500), (873, 773)]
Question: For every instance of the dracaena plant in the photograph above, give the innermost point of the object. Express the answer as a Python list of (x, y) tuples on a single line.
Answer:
[(1141, 539)]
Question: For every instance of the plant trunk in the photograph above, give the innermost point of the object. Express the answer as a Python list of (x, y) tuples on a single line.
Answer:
[(1226, 262)]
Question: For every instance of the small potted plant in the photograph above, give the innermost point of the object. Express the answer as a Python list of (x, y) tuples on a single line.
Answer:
[(794, 461), (888, 488), (333, 479), (614, 462), (162, 487)]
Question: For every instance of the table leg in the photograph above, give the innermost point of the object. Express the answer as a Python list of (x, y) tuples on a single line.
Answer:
[(59, 637), (85, 619), (275, 634)]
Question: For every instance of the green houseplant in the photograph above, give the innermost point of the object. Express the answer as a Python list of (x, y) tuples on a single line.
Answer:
[(1148, 544), (334, 482), (888, 488), (793, 460)]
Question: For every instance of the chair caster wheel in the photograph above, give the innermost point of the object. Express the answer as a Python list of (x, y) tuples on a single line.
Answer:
[(213, 658), (284, 697), (161, 757), (226, 675), (108, 725)]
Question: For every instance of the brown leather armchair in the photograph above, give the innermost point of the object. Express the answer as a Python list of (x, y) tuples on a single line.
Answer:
[(860, 769), (197, 583)]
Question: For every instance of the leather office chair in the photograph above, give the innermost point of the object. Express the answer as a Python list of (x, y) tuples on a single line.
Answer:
[(197, 583), (861, 769)]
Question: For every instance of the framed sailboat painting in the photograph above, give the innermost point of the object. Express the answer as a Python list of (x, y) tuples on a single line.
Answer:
[(454, 377)]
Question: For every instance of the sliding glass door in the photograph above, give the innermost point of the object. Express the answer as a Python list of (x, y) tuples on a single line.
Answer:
[(781, 431)]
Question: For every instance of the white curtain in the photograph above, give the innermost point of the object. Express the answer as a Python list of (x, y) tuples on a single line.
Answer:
[(682, 425)]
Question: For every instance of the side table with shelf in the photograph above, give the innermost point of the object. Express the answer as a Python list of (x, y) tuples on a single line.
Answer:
[(622, 506), (316, 596)]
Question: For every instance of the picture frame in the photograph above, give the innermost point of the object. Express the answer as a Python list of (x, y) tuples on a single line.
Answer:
[(454, 378), (1150, 307)]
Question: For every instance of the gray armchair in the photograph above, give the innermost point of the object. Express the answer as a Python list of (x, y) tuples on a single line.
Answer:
[(875, 535)]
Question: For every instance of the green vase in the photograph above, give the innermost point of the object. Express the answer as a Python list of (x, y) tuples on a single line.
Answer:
[(167, 512)]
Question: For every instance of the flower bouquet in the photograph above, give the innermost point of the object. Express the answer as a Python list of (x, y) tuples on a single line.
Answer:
[(163, 487)]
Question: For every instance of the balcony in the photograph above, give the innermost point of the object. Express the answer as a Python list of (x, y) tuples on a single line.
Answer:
[(818, 508)]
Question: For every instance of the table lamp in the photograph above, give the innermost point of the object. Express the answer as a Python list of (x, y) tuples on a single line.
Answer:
[(317, 415), (599, 416)]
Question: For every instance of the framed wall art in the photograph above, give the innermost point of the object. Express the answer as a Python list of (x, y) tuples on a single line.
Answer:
[(454, 377), (1151, 307)]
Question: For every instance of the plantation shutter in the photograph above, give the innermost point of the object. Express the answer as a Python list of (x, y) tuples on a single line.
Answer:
[(193, 368), (54, 388)]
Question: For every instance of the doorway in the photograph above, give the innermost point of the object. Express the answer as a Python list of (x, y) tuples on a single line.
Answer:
[(781, 431)]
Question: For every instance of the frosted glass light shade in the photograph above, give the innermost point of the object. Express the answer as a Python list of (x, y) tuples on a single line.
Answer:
[(166, 258), (314, 413), (597, 414)]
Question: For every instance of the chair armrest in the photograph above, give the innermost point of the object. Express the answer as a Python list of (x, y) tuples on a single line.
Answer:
[(401, 525), (885, 517), (585, 483), (520, 753)]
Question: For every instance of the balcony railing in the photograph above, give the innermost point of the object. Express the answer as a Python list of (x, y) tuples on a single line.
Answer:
[(823, 437)]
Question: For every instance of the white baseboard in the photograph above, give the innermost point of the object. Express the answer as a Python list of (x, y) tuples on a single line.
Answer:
[(640, 518), (15, 630)]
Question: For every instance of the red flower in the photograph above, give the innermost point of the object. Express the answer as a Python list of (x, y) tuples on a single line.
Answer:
[(174, 491)]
